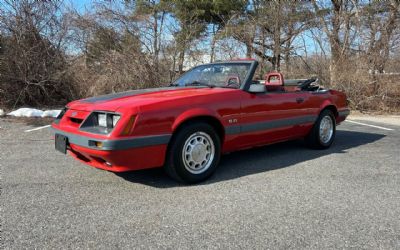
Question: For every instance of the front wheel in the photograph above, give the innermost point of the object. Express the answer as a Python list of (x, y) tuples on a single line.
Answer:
[(194, 153), (323, 132)]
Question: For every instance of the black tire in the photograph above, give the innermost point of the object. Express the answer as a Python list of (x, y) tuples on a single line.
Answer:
[(175, 165), (313, 139)]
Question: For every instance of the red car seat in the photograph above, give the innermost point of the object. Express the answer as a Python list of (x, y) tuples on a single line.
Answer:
[(274, 82)]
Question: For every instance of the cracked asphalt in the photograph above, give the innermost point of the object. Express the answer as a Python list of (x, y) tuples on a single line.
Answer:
[(282, 196)]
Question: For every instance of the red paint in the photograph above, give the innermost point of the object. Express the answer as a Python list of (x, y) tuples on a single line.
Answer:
[(121, 160), (162, 112)]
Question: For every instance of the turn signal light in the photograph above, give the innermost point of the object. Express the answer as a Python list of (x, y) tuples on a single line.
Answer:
[(128, 128), (98, 144)]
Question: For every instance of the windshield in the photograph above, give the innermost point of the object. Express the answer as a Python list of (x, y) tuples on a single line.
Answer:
[(229, 75)]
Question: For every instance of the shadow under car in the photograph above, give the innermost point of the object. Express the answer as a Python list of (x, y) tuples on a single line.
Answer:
[(265, 158)]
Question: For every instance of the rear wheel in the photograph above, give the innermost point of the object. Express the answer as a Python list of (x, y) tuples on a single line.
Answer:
[(323, 132), (194, 153)]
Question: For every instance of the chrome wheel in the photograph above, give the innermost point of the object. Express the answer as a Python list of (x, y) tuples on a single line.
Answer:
[(198, 153), (326, 129)]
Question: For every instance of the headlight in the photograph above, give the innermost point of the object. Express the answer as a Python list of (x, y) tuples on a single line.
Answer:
[(107, 120), (112, 120), (115, 119), (100, 122)]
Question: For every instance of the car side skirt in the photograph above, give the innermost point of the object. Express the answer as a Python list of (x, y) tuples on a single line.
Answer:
[(268, 125)]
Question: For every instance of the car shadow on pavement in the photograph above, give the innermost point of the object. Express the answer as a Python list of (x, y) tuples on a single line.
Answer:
[(257, 160)]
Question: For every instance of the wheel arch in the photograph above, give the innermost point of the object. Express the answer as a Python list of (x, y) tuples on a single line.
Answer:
[(332, 108), (199, 115), (205, 118)]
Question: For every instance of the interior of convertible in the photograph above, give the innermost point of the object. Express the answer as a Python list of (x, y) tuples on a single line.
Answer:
[(275, 82), (234, 75)]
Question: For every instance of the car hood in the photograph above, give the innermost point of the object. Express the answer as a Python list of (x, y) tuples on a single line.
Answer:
[(136, 98)]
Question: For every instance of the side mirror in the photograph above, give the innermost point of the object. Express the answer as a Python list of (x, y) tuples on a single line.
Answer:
[(257, 88)]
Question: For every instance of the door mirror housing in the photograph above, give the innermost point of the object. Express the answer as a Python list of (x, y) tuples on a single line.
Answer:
[(257, 88)]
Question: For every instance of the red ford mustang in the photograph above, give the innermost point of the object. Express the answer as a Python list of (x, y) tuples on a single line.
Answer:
[(210, 110)]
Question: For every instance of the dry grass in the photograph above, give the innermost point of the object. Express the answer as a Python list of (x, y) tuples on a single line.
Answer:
[(115, 72), (366, 92)]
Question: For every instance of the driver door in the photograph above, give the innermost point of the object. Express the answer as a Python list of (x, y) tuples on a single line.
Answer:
[(270, 117)]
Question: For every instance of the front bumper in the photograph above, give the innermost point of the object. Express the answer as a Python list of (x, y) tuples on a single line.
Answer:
[(118, 155)]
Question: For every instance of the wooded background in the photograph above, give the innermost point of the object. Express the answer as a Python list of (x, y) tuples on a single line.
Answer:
[(52, 52)]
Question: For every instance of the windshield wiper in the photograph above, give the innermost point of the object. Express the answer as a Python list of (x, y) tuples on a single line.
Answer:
[(196, 83)]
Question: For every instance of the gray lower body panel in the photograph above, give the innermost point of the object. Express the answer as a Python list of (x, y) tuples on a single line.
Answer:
[(116, 144)]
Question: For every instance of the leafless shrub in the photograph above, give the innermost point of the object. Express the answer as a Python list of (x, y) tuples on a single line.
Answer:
[(119, 71), (112, 59), (33, 69)]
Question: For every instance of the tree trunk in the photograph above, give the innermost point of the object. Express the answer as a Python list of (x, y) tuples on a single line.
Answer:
[(335, 43), (334, 71), (262, 63), (249, 50), (155, 41), (181, 60), (287, 60), (213, 41), (379, 49), (277, 40)]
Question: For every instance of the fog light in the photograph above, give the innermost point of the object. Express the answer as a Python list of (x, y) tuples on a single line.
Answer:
[(98, 144)]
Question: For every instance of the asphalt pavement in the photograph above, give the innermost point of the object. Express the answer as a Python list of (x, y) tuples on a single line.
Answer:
[(282, 196)]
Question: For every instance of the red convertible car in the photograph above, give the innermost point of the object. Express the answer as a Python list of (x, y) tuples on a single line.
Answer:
[(210, 110)]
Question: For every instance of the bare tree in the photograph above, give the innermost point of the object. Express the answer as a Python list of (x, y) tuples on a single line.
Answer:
[(50, 54), (33, 65), (337, 19), (268, 29), (380, 20)]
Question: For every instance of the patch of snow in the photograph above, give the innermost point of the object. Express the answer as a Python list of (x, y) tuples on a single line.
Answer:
[(26, 112), (51, 113), (2, 112), (29, 112)]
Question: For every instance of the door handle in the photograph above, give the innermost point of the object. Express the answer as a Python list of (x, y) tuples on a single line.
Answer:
[(299, 100)]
